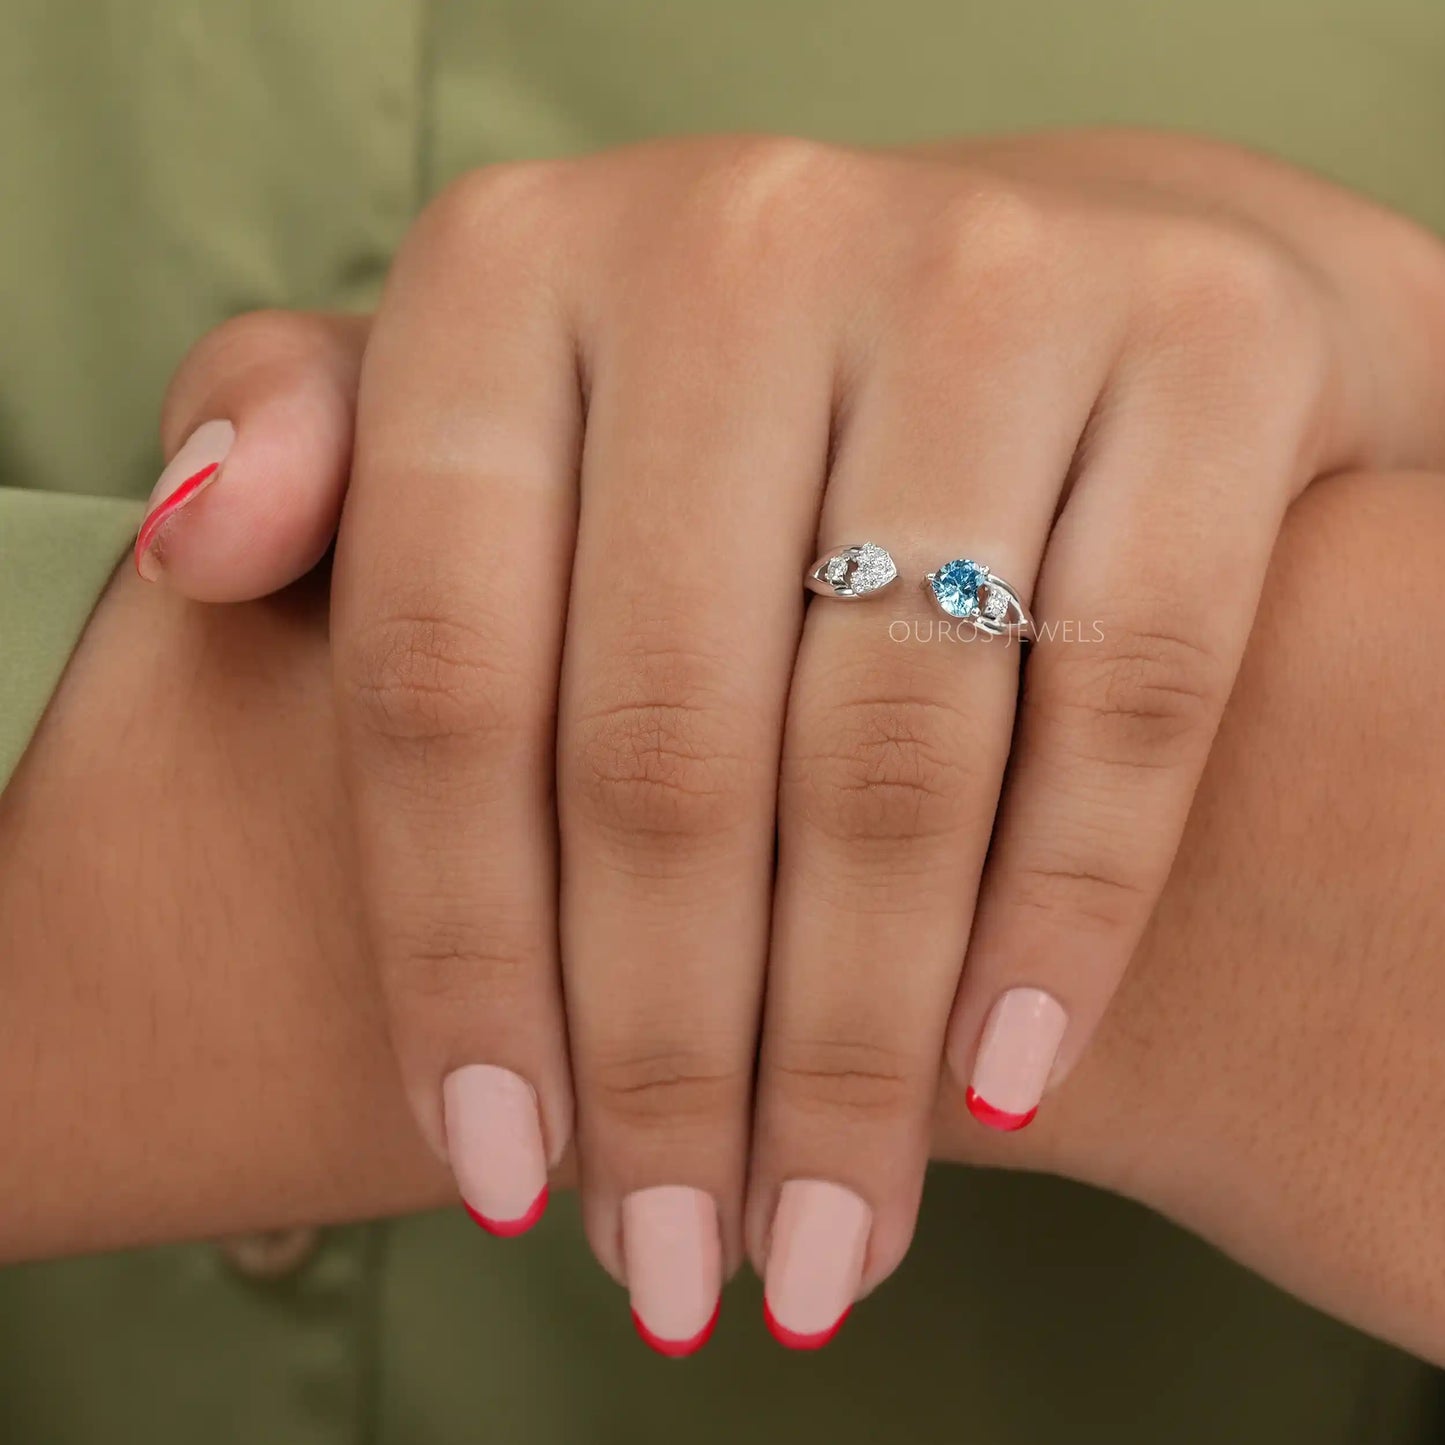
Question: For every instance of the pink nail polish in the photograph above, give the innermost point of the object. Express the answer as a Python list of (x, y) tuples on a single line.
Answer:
[(1015, 1058), (673, 1257), (494, 1143), (188, 474), (815, 1261)]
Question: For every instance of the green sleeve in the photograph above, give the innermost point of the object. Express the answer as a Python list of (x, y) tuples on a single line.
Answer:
[(57, 552)]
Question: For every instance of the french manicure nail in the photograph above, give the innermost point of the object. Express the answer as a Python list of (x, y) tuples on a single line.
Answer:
[(188, 474), (673, 1257), (494, 1143), (815, 1261), (1015, 1058)]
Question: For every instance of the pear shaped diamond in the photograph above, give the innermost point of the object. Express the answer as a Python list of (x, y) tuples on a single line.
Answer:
[(872, 568), (852, 572)]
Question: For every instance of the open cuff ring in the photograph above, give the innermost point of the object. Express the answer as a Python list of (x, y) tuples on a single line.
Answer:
[(962, 589)]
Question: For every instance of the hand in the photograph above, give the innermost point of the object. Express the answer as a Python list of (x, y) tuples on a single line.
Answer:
[(748, 320), (205, 1047)]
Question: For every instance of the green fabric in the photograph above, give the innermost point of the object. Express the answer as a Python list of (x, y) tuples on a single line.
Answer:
[(56, 554), (167, 163), (1353, 88), (1031, 1312)]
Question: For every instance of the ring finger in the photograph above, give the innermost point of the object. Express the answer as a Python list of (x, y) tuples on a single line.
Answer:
[(895, 747)]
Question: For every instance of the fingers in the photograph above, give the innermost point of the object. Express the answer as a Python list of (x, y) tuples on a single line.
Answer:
[(449, 592), (706, 446), (257, 429), (1145, 600), (896, 741)]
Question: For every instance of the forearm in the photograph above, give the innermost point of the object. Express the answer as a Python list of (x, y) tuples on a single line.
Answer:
[(192, 1042), (195, 1046)]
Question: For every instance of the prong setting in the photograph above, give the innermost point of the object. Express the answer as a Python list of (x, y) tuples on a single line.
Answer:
[(969, 591)]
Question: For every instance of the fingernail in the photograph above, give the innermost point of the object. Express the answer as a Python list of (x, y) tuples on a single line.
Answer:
[(815, 1262), (673, 1256), (1015, 1058), (189, 473), (494, 1143)]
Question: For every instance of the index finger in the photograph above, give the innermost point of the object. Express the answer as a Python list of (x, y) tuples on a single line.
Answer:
[(450, 590)]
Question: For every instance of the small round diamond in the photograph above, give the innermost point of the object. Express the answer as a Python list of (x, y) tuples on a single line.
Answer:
[(956, 585), (996, 608), (837, 569)]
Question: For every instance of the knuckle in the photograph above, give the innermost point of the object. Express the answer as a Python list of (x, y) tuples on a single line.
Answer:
[(755, 211), (509, 206), (665, 1085), (1226, 283), (1071, 894), (762, 179), (1147, 697), (850, 1076), (885, 770), (993, 240), (417, 675), (452, 967), (655, 770), (661, 767)]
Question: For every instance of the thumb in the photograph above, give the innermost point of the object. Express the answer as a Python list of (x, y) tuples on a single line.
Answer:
[(257, 424)]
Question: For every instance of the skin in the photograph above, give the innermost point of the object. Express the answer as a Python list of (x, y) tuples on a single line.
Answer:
[(196, 1045), (554, 382)]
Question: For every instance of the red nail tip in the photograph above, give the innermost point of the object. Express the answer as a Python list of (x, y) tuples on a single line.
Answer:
[(792, 1338), (177, 498), (985, 1113), (511, 1228), (678, 1349)]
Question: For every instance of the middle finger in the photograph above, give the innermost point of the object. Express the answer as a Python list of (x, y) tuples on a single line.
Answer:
[(706, 443)]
